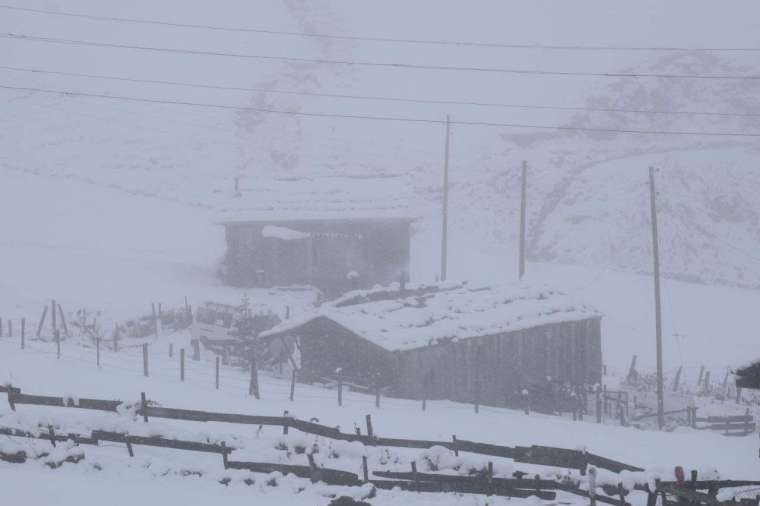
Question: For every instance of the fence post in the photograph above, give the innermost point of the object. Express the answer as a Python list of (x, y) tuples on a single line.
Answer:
[(707, 382), (592, 485), (144, 406), (377, 395), (11, 393), (155, 319), (97, 350), (58, 344), (188, 314), (738, 395), (340, 387), (52, 315), (182, 364), (293, 384), (678, 378), (365, 469), (63, 321), (313, 468), (171, 350), (253, 387), (42, 320), (225, 456), (598, 405), (217, 372), (370, 432), (285, 425), (10, 330), (454, 445), (23, 333), (145, 359)]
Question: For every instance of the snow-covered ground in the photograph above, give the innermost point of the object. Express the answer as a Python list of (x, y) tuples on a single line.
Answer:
[(36, 370)]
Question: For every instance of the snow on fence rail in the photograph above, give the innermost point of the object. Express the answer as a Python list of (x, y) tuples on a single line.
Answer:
[(537, 455), (483, 483)]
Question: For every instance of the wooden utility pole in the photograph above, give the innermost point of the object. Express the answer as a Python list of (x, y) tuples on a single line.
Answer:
[(445, 209), (657, 305), (523, 206)]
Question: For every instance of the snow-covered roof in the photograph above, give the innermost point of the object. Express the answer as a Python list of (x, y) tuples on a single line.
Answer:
[(427, 314), (370, 197)]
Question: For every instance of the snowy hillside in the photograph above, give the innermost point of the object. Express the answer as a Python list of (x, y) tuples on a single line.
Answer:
[(191, 155)]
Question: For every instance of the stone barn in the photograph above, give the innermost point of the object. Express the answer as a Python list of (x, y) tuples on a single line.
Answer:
[(454, 341), (336, 235)]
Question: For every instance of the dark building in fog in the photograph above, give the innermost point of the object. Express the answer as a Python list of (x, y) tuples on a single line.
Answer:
[(334, 233), (749, 376), (332, 254), (451, 342)]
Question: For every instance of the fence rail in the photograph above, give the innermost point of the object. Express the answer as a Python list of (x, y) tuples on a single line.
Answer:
[(538, 455), (482, 483)]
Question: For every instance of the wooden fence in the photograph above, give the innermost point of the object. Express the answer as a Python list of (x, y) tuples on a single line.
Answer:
[(521, 485), (538, 455)]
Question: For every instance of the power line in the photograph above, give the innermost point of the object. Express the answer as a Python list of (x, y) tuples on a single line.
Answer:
[(375, 97), (376, 118), (436, 42), (374, 64)]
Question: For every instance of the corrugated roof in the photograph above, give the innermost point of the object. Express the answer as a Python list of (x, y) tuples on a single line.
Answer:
[(427, 314)]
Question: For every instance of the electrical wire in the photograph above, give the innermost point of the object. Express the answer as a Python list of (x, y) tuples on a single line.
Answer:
[(373, 64), (373, 97), (436, 42), (375, 118)]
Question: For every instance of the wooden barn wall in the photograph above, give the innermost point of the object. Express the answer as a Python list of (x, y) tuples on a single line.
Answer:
[(378, 250), (327, 346), (496, 368)]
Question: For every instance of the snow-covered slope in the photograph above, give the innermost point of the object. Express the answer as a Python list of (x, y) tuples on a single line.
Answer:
[(191, 155)]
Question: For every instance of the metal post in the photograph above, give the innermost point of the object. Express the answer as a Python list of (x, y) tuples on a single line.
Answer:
[(340, 389), (97, 350), (217, 372), (145, 359), (292, 385), (58, 343), (523, 209), (445, 209), (657, 300), (182, 364)]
